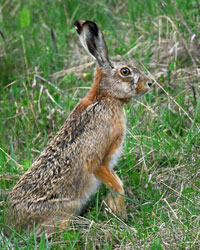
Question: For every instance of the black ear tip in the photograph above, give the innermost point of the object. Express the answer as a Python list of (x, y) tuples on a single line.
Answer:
[(92, 26), (78, 26), (76, 22)]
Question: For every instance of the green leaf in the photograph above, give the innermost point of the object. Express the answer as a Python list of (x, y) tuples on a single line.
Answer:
[(26, 165), (24, 17), (157, 244)]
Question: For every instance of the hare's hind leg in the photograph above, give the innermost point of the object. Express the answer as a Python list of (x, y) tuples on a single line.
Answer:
[(114, 200)]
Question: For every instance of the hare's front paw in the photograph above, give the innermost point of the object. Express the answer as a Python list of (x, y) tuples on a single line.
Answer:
[(117, 204)]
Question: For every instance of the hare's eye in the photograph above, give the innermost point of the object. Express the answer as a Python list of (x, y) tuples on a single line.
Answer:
[(125, 71)]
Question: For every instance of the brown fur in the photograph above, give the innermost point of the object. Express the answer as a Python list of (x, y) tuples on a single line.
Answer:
[(83, 152), (140, 88)]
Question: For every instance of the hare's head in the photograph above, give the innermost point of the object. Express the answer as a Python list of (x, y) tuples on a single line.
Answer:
[(120, 80)]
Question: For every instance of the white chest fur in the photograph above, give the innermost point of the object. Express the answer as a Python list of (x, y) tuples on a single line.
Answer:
[(115, 156)]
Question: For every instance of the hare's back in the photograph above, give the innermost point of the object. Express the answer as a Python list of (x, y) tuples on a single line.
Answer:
[(61, 169)]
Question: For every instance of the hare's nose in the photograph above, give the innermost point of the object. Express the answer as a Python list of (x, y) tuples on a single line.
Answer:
[(150, 83)]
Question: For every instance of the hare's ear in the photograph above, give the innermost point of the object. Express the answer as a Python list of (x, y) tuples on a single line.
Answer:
[(92, 40)]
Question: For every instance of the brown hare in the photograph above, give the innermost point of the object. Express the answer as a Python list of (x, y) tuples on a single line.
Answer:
[(85, 150)]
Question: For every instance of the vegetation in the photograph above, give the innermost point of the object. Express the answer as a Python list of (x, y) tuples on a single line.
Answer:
[(44, 72)]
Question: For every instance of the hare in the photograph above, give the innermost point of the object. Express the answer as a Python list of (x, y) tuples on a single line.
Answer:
[(85, 150)]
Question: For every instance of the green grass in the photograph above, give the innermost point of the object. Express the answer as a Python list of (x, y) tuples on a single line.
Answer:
[(160, 166)]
